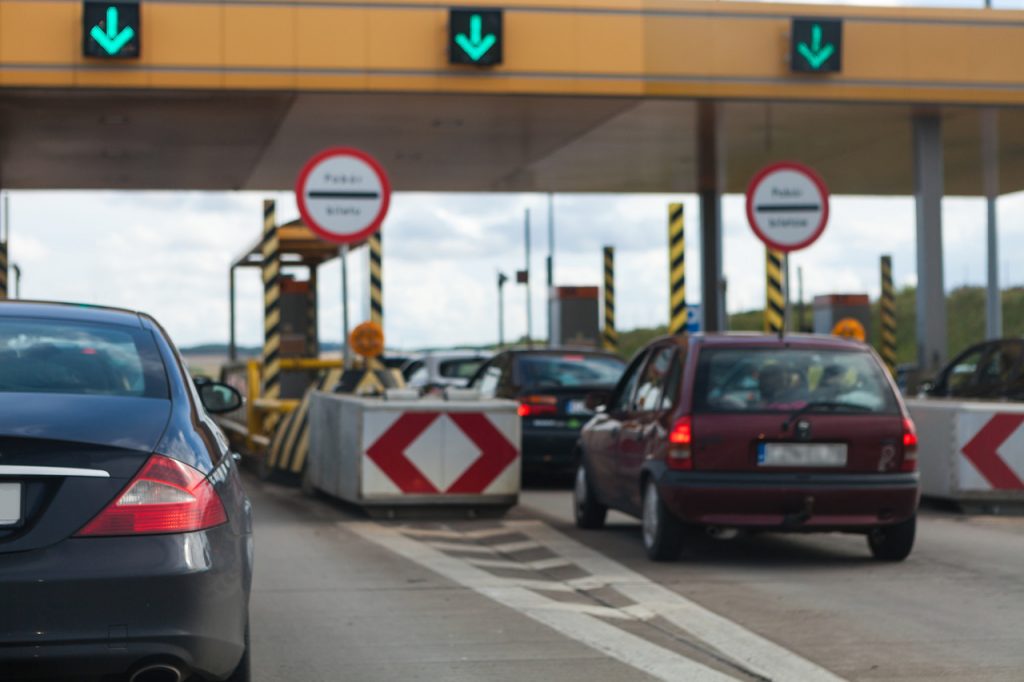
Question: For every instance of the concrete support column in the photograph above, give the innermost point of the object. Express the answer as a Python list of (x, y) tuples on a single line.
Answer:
[(232, 339), (5, 237), (990, 181), (710, 183), (928, 190)]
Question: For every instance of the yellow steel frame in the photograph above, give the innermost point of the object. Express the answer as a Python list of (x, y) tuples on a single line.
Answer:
[(668, 48)]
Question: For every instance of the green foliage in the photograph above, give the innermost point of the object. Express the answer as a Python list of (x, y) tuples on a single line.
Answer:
[(635, 339), (965, 311), (965, 319)]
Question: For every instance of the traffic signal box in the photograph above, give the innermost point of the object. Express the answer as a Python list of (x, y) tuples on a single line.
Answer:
[(816, 46), (831, 310), (111, 30), (475, 37), (574, 317), (295, 313)]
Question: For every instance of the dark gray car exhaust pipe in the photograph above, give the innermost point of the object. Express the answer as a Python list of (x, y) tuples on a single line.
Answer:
[(158, 672)]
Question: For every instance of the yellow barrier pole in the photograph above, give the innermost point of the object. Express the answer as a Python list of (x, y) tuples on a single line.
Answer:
[(887, 313), (610, 339), (252, 417), (775, 302), (376, 280), (271, 250), (677, 270), (376, 290), (289, 364)]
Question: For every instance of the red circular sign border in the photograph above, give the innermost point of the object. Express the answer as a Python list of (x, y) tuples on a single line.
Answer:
[(301, 200), (818, 182)]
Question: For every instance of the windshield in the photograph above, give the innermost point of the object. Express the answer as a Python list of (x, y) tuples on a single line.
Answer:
[(787, 379), (56, 356), (463, 368), (570, 369)]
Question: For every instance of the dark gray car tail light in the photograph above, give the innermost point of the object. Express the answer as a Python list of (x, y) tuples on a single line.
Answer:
[(166, 496)]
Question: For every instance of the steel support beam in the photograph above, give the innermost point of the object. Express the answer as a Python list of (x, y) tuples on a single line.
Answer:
[(928, 190), (990, 182), (232, 339), (710, 184)]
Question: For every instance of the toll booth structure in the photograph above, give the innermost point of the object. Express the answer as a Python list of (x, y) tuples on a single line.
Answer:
[(276, 385)]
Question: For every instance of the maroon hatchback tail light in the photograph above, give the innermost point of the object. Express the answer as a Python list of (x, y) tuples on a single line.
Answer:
[(909, 446), (537, 405), (166, 496), (679, 440)]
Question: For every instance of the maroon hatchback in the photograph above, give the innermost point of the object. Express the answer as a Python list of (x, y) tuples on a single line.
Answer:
[(801, 434)]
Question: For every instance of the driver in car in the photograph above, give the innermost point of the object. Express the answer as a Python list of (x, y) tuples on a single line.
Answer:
[(775, 384)]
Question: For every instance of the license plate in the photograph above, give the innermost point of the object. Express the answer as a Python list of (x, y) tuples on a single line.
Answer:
[(10, 504), (801, 454), (577, 407)]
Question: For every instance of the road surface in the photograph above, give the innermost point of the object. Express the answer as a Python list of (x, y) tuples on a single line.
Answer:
[(338, 596)]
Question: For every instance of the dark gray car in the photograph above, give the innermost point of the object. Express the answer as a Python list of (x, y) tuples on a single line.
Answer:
[(125, 534)]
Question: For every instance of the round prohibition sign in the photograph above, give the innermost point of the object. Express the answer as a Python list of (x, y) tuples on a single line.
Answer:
[(787, 206), (343, 195)]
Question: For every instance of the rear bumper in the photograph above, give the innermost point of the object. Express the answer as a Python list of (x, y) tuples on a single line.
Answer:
[(796, 502), (549, 449), (87, 608)]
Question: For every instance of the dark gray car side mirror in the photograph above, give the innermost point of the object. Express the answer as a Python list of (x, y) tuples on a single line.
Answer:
[(219, 398)]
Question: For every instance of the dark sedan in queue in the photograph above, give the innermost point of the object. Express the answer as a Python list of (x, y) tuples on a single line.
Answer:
[(798, 434), (551, 386), (125, 535)]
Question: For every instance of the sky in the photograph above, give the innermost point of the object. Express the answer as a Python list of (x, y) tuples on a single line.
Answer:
[(167, 253)]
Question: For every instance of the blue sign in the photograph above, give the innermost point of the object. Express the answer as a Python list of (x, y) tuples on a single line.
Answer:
[(694, 318)]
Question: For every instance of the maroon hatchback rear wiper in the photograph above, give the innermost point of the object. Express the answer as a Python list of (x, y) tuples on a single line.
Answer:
[(820, 403)]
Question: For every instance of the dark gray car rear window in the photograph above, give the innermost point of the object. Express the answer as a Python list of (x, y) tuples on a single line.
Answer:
[(568, 369), (60, 356), (786, 379)]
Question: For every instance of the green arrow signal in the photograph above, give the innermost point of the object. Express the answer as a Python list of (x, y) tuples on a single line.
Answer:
[(112, 41), (476, 45), (817, 54)]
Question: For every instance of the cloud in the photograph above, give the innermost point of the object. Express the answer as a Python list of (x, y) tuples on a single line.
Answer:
[(169, 253)]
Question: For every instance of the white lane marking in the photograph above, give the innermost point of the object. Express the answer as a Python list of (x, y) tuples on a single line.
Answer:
[(484, 533), (540, 565), (452, 534), (435, 533), (748, 648), (459, 547), (589, 583), (541, 602), (623, 646), (513, 547)]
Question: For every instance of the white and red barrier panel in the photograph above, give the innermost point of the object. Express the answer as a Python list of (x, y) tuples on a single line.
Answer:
[(433, 452), (990, 446), (970, 450), (371, 451)]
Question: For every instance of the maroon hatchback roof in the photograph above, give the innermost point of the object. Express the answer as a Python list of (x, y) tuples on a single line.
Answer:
[(810, 341)]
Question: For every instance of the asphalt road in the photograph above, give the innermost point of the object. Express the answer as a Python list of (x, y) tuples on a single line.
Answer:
[(340, 597)]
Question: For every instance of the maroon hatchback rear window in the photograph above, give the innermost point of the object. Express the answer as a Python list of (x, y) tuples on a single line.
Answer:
[(787, 379)]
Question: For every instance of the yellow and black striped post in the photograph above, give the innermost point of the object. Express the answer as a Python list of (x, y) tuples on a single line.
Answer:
[(290, 444), (775, 301), (610, 338), (312, 330), (376, 281), (3, 270), (887, 310), (676, 269), (271, 251)]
